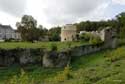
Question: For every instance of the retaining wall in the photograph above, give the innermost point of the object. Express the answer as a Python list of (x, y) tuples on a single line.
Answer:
[(46, 58)]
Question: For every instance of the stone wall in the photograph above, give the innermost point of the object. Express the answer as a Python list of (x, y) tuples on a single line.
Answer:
[(86, 49), (48, 58), (53, 58), (56, 59), (61, 59), (21, 56)]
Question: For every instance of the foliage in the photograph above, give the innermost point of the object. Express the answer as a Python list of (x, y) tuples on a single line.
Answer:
[(85, 37), (65, 75), (121, 42), (28, 29), (28, 22), (21, 79), (46, 45), (95, 25), (69, 44), (121, 24), (117, 23), (62, 76), (95, 40), (9, 40), (116, 55), (54, 34), (54, 47), (89, 69)]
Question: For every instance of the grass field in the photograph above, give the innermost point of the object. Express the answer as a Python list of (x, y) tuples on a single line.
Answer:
[(47, 45), (105, 67)]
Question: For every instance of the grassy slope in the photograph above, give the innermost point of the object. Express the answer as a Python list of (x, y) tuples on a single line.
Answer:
[(105, 67), (60, 45)]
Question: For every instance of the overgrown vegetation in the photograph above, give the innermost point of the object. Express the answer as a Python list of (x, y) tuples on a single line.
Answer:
[(105, 67), (95, 40), (92, 39), (118, 23), (46, 45), (30, 32), (54, 47)]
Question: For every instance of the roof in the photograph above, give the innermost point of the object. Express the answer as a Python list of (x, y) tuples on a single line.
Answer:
[(69, 27), (5, 26)]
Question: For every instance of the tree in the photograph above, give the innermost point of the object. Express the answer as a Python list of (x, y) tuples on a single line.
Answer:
[(43, 31), (54, 34), (29, 21), (28, 28), (121, 24)]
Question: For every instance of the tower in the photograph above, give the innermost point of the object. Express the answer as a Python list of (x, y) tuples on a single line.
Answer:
[(68, 33)]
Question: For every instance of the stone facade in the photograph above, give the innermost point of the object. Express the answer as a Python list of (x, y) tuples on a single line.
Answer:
[(68, 33), (6, 32), (39, 56), (56, 59), (20, 56), (107, 35)]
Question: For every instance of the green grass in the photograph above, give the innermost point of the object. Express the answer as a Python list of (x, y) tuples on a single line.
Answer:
[(47, 45), (105, 67)]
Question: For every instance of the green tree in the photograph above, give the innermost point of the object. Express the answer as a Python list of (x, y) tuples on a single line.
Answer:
[(43, 31), (54, 34), (121, 24), (28, 28)]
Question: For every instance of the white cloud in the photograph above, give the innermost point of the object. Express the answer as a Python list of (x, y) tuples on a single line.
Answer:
[(54, 12), (13, 7), (98, 14), (69, 11), (7, 19), (122, 2)]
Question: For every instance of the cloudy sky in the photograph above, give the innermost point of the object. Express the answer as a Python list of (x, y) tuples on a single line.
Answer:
[(59, 12)]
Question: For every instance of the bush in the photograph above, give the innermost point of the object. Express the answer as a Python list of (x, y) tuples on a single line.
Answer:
[(54, 47), (116, 55), (121, 42), (69, 44), (62, 76), (85, 37), (95, 40), (23, 78), (9, 40)]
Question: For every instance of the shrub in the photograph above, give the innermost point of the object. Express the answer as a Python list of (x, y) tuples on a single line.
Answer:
[(9, 40), (85, 37), (23, 78), (69, 44), (95, 40), (62, 76), (116, 55), (121, 42), (54, 47)]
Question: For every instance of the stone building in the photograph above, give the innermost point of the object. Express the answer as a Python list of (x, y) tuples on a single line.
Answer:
[(7, 32), (107, 35), (68, 33)]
